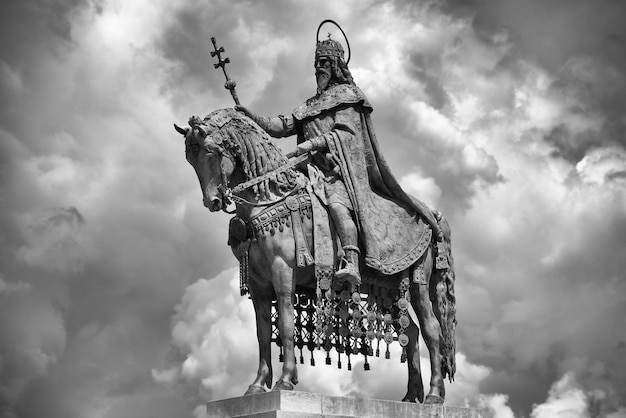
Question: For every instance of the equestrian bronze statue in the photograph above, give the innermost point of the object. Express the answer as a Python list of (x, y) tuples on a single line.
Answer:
[(327, 237)]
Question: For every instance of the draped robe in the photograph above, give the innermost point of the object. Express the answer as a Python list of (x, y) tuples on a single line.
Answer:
[(393, 226)]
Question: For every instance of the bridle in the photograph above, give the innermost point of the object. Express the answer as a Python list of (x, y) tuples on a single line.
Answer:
[(229, 195), (224, 189)]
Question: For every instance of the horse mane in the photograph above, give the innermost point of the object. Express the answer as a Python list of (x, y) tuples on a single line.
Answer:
[(256, 152)]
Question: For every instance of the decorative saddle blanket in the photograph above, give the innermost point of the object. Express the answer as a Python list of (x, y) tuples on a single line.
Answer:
[(291, 212)]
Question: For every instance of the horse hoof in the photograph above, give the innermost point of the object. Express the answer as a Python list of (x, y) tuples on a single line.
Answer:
[(254, 389), (433, 400), (282, 385)]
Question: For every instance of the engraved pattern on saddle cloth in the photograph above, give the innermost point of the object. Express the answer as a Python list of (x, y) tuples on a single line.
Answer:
[(276, 216), (401, 238)]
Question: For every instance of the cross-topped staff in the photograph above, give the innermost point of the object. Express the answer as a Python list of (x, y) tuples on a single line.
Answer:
[(230, 84)]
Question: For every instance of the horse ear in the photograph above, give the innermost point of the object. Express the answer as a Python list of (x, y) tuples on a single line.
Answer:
[(182, 131), (202, 129)]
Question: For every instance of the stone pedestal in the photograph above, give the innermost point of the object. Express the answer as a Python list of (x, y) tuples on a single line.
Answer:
[(293, 404)]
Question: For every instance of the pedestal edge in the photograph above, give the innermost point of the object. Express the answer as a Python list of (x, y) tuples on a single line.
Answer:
[(312, 405)]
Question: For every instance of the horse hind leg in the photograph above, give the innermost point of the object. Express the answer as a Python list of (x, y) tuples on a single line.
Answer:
[(415, 386), (431, 330)]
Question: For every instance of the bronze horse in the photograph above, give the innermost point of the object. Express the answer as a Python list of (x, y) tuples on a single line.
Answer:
[(226, 150)]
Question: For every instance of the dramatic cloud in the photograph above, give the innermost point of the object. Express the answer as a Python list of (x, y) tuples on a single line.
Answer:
[(505, 115), (33, 339)]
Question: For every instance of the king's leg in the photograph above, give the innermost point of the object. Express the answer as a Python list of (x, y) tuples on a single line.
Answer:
[(346, 228)]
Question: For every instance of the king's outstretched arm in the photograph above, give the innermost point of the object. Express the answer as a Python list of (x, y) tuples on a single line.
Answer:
[(278, 127)]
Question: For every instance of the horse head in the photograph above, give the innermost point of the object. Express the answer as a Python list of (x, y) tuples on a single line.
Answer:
[(227, 148), (210, 153)]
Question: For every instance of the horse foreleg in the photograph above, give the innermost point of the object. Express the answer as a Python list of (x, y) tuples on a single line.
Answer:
[(284, 286), (420, 299), (262, 301), (415, 386)]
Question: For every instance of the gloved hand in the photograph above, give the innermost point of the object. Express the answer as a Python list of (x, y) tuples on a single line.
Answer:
[(304, 147), (314, 144)]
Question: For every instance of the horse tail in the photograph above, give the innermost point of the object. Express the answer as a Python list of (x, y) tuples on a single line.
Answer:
[(444, 301)]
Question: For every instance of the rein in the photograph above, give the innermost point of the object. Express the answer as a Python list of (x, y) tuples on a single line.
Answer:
[(242, 201), (229, 194), (289, 164)]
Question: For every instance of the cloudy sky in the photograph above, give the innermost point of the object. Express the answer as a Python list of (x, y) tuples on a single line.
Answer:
[(118, 295)]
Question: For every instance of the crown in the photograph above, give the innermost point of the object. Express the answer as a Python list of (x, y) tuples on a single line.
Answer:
[(328, 48)]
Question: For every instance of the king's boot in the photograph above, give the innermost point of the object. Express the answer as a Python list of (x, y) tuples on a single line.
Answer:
[(349, 266)]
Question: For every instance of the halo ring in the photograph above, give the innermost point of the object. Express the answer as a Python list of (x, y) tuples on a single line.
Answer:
[(342, 32)]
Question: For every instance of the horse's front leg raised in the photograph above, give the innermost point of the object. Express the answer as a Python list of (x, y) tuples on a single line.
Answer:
[(284, 286), (262, 299)]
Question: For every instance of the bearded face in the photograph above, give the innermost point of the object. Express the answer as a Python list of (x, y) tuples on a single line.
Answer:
[(323, 73)]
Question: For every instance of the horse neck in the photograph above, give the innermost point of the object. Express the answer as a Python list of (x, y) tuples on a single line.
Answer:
[(256, 202)]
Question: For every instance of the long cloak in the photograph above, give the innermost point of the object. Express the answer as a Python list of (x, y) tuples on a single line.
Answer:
[(392, 224)]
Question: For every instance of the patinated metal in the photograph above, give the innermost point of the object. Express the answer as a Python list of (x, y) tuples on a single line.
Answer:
[(221, 63), (296, 228)]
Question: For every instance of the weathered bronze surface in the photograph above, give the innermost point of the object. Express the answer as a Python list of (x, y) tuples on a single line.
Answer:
[(221, 63), (347, 259)]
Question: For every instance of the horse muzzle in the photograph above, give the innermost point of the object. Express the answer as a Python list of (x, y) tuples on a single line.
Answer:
[(214, 204)]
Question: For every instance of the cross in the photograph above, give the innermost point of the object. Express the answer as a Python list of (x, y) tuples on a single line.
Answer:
[(221, 62)]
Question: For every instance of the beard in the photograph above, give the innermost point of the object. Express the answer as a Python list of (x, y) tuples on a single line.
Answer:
[(323, 79)]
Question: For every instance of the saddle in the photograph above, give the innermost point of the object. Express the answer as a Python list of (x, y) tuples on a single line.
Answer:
[(290, 213), (287, 213)]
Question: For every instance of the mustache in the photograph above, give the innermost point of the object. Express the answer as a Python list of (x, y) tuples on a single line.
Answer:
[(322, 71)]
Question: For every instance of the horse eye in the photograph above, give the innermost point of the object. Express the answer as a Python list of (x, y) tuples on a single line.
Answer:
[(194, 148)]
